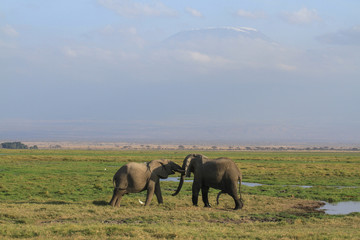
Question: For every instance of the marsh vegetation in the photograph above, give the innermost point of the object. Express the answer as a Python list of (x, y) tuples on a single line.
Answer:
[(64, 194)]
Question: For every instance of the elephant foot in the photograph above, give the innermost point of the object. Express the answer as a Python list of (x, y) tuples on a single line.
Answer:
[(238, 207)]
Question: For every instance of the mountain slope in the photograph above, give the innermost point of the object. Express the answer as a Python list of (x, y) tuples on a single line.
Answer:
[(217, 33)]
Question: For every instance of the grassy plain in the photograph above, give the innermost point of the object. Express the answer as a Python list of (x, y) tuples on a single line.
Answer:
[(63, 194)]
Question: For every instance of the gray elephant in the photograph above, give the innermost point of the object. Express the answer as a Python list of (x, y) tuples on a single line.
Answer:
[(137, 177), (221, 173)]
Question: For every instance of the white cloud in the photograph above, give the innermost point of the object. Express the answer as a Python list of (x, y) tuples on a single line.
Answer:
[(199, 57), (88, 52), (286, 67), (132, 8), (303, 16), (97, 54), (9, 31), (69, 52), (7, 45), (194, 12), (247, 14), (113, 31), (107, 30), (128, 36)]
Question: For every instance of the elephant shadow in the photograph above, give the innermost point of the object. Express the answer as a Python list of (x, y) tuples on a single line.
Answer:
[(101, 203)]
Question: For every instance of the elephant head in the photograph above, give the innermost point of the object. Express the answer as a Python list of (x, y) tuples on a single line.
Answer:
[(189, 165), (163, 168)]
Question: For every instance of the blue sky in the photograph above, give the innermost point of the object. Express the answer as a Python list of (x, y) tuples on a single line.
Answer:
[(111, 70)]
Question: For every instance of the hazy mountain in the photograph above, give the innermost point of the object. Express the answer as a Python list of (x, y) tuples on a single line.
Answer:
[(223, 49), (217, 33)]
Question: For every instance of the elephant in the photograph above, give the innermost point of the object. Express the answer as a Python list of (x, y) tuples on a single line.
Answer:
[(137, 177), (220, 173)]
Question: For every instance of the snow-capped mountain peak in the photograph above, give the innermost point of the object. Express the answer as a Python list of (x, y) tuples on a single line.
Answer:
[(217, 33)]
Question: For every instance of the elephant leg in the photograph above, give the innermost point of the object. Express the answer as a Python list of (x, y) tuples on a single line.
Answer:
[(116, 199), (158, 192), (121, 194), (150, 192), (205, 196), (238, 203), (195, 194)]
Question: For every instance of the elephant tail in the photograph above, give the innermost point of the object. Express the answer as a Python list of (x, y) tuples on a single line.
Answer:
[(115, 179), (217, 198), (241, 199)]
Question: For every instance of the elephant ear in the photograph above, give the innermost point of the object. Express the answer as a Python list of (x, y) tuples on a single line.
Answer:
[(187, 164), (190, 161), (158, 168), (200, 156)]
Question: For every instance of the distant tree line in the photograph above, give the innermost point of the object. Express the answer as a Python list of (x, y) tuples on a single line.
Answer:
[(16, 145)]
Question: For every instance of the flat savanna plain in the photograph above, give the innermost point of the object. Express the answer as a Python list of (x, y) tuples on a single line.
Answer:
[(64, 194)]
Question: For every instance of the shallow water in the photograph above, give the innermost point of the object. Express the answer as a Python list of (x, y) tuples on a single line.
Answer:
[(341, 208), (174, 179), (250, 184)]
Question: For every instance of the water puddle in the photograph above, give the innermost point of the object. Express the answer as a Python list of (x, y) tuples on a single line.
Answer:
[(341, 208), (174, 179), (250, 184)]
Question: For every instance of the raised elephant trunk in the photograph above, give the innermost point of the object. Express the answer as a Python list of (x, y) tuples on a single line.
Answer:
[(182, 178), (185, 173)]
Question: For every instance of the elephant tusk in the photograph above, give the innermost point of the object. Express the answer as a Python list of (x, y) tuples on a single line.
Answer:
[(141, 202)]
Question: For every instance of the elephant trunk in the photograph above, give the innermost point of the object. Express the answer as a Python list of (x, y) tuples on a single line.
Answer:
[(186, 172), (180, 185), (175, 167)]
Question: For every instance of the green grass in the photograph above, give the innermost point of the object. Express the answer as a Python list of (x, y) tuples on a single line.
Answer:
[(63, 194)]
